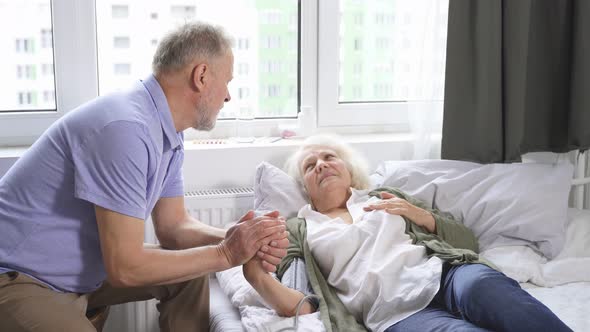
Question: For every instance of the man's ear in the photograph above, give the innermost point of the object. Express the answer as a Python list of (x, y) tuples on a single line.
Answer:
[(199, 76)]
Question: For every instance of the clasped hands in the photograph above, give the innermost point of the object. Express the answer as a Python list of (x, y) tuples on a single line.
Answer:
[(263, 238), (395, 205)]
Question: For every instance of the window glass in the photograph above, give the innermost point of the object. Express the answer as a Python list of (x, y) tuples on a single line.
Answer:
[(27, 83), (393, 47), (265, 34)]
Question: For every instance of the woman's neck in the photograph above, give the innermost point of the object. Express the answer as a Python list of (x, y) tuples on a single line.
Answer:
[(332, 202)]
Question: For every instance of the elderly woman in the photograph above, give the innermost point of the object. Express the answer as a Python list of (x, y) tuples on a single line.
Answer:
[(383, 261)]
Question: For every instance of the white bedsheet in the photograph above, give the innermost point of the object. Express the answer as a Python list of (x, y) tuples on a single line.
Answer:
[(254, 311), (569, 302)]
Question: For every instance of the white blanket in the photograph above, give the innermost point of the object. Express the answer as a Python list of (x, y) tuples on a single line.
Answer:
[(256, 315)]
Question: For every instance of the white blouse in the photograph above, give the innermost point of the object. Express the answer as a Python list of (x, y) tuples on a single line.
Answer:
[(378, 274)]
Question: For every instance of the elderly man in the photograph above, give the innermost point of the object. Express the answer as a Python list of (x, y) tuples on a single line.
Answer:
[(72, 209)]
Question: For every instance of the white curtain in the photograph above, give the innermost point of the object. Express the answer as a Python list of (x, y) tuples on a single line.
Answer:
[(426, 91)]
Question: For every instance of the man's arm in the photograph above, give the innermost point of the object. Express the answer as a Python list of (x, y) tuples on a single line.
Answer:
[(176, 229), (129, 264)]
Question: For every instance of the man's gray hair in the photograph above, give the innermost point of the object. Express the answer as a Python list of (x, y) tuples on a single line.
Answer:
[(189, 42), (355, 163)]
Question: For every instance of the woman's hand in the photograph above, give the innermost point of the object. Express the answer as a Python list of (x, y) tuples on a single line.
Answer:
[(254, 270), (395, 205)]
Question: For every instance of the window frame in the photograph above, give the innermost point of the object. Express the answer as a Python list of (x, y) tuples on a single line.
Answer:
[(333, 112), (76, 79), (75, 72)]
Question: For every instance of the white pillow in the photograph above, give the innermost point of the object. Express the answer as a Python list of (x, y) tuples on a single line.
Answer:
[(503, 204), (276, 190)]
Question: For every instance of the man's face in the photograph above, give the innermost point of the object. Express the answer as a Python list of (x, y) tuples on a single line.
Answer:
[(216, 94)]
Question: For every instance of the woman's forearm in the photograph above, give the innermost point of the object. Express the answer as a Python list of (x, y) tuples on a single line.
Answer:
[(280, 297)]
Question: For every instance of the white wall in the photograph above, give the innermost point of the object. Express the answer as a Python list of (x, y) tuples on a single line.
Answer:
[(234, 165)]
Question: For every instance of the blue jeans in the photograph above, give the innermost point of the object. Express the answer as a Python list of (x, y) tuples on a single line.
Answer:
[(474, 297)]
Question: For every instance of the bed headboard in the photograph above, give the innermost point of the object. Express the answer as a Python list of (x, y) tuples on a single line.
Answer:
[(580, 193)]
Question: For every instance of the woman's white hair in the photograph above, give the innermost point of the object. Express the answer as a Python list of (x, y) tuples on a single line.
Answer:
[(355, 163), (190, 41)]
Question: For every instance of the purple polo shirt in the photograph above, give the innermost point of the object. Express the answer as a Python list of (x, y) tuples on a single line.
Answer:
[(120, 152)]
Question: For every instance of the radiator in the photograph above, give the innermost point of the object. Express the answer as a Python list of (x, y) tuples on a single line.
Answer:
[(216, 207)]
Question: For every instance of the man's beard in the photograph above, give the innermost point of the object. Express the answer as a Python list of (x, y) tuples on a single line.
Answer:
[(206, 120)]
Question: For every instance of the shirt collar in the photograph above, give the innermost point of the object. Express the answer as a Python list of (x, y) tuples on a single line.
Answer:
[(355, 205), (159, 98)]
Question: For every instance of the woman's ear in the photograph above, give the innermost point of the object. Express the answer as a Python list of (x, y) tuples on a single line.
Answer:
[(199, 76)]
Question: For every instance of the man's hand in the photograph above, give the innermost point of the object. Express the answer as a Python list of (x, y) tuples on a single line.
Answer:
[(245, 238), (272, 253)]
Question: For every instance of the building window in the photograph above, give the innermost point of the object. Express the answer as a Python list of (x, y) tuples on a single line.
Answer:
[(243, 93), (46, 38), (243, 43), (47, 69), (121, 42), (27, 98), (120, 11), (273, 90), (24, 45), (122, 69), (183, 12), (19, 71), (242, 68), (48, 96), (272, 41), (357, 44)]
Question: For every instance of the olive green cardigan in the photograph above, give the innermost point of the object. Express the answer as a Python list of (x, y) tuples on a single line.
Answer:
[(453, 243)]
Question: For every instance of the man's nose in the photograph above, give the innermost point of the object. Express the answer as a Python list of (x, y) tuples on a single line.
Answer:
[(228, 97)]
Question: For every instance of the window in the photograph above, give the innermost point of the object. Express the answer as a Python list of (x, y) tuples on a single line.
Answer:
[(120, 11), (271, 41), (24, 25), (341, 57), (122, 69), (28, 98), (24, 45), (121, 42), (47, 69), (183, 12), (46, 38), (243, 93), (261, 32), (243, 69), (401, 59), (243, 44)]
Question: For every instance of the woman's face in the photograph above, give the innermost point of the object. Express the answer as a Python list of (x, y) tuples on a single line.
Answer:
[(323, 172)]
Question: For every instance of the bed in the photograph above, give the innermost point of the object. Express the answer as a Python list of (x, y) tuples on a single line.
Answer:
[(529, 232)]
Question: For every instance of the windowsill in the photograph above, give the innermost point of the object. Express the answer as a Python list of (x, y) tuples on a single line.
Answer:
[(262, 142), (221, 144), (232, 165), (12, 152)]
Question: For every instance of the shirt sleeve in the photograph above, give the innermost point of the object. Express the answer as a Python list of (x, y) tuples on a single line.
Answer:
[(295, 277), (111, 168)]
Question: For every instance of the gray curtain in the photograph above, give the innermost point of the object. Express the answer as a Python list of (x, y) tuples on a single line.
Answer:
[(517, 78)]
